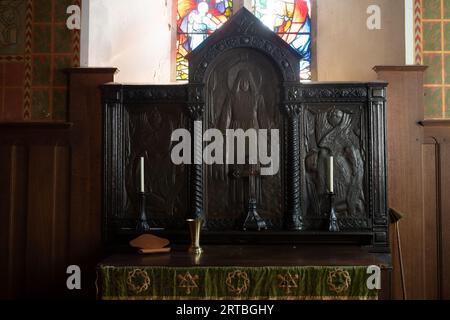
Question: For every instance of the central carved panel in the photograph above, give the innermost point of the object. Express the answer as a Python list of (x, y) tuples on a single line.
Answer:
[(242, 92)]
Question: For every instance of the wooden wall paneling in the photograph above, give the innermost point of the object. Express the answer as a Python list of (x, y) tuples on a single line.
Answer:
[(34, 164), (13, 171), (50, 196), (62, 178), (40, 222), (404, 140), (47, 236), (6, 177)]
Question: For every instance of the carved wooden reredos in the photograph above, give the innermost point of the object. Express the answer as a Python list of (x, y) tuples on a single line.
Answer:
[(245, 76)]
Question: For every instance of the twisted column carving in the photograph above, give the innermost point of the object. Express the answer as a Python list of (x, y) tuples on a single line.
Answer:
[(195, 110), (293, 218)]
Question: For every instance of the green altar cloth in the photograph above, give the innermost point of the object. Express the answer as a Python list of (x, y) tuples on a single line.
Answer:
[(228, 282)]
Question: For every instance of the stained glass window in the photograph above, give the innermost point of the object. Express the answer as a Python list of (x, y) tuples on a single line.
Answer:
[(291, 19), (196, 19)]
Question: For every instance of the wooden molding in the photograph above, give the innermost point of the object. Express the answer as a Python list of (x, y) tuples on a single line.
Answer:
[(37, 124), (435, 123), (109, 70), (400, 68)]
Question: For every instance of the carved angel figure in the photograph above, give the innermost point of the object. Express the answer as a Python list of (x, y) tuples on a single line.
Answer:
[(335, 136)]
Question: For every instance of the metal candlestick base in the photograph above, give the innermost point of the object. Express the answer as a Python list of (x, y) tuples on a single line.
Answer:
[(253, 220), (143, 225), (333, 227)]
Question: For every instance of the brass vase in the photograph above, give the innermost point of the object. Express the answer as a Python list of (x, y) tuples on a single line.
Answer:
[(195, 226)]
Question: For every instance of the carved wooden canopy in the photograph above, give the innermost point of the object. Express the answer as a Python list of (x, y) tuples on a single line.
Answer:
[(244, 30)]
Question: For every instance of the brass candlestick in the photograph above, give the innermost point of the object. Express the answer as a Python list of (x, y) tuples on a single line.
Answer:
[(195, 226)]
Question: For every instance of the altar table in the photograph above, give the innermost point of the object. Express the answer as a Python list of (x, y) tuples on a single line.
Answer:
[(244, 272)]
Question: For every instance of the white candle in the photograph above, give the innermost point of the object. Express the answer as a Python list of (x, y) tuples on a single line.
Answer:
[(142, 175), (330, 175)]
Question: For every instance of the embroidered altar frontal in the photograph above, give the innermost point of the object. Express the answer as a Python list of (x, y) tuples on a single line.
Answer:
[(230, 283)]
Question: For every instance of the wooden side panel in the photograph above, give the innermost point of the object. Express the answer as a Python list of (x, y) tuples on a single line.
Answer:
[(444, 199), (404, 139), (419, 181), (86, 171), (437, 201)]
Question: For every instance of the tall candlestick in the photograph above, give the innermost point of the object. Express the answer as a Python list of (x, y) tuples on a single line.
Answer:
[(331, 175), (142, 175)]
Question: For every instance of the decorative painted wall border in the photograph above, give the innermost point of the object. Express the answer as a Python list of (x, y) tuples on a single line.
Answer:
[(28, 63), (418, 32), (76, 42)]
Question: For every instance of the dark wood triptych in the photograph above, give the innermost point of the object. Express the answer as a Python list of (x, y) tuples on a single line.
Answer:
[(245, 77)]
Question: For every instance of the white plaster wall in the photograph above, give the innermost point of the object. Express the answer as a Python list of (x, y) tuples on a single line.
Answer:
[(409, 32), (137, 37), (134, 35), (347, 50)]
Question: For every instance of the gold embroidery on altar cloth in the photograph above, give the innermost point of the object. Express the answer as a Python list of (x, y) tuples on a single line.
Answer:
[(188, 282), (338, 280), (287, 281), (237, 282), (138, 280)]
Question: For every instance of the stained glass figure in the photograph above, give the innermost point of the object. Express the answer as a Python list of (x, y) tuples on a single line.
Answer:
[(196, 20), (291, 20)]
